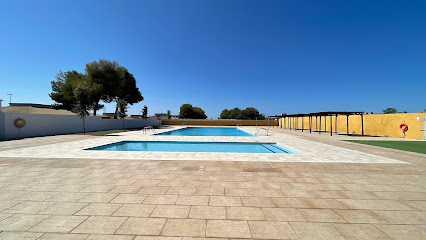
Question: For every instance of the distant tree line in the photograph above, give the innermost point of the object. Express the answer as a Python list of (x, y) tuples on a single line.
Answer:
[(249, 113), (188, 111), (392, 110)]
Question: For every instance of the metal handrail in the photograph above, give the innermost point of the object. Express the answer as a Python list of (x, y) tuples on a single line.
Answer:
[(267, 131), (184, 124), (239, 125), (148, 127)]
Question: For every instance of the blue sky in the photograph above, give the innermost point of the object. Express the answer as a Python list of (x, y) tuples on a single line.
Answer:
[(278, 56)]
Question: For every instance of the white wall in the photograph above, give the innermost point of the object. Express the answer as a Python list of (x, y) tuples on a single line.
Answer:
[(48, 124)]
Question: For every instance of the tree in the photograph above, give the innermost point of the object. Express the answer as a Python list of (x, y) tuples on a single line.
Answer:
[(169, 114), (224, 114), (63, 89), (390, 110), (83, 102), (188, 111), (249, 113), (145, 112), (198, 113), (116, 83), (235, 113), (122, 109)]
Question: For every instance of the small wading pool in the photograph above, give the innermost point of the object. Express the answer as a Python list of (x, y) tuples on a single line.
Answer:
[(163, 146), (208, 131)]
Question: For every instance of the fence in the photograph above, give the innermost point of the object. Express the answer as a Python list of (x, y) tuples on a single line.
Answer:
[(217, 122), (374, 124), (48, 124)]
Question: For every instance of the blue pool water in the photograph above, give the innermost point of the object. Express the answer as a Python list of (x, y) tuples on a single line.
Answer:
[(163, 146), (208, 131)]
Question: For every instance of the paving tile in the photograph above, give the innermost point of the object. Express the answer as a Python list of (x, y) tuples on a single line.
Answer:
[(153, 190), (101, 188), (142, 226), (360, 216), (181, 190), (171, 211), (161, 199), (67, 197), (184, 227), (63, 236), (99, 209), (29, 207), (64, 208), (98, 197), (292, 202), (100, 225), (58, 224), (321, 215), (19, 236), (110, 237), (402, 217), (283, 214), (134, 210), (156, 238), (257, 202), (271, 230), (403, 231), (228, 229), (210, 191), (316, 231), (207, 212), (21, 222), (36, 196), (375, 204), (129, 198), (360, 231), (193, 200), (125, 189), (225, 201), (244, 213)]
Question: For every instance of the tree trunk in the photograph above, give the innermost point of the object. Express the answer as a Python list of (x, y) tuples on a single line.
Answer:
[(84, 126), (116, 111)]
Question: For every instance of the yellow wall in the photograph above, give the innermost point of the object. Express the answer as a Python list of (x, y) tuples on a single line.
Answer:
[(374, 124), (217, 122)]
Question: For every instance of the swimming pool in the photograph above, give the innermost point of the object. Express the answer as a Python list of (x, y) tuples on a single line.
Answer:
[(208, 131), (169, 146)]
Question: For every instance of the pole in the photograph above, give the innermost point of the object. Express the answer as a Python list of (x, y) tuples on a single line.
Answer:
[(362, 124), (10, 97), (347, 124), (331, 125)]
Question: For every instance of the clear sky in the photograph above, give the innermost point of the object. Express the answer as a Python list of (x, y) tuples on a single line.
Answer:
[(278, 56)]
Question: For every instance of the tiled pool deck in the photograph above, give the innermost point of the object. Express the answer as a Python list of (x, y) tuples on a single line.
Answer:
[(58, 191)]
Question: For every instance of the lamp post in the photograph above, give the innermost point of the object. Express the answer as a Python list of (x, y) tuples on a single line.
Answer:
[(10, 97)]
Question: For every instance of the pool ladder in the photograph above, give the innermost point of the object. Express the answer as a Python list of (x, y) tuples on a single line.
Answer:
[(147, 128), (184, 124), (239, 125), (267, 131)]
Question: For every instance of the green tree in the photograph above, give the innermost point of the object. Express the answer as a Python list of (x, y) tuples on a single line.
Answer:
[(198, 113), (188, 111), (145, 112), (122, 109), (224, 114), (250, 113), (390, 110), (169, 114), (116, 82), (83, 102), (235, 113), (63, 89)]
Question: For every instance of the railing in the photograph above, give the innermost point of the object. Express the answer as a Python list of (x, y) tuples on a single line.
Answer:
[(184, 124), (239, 125), (147, 128), (267, 131)]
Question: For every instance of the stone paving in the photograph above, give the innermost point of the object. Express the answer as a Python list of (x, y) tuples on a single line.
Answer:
[(87, 198)]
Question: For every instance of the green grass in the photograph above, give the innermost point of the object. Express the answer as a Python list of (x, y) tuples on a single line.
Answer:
[(108, 132), (410, 146)]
